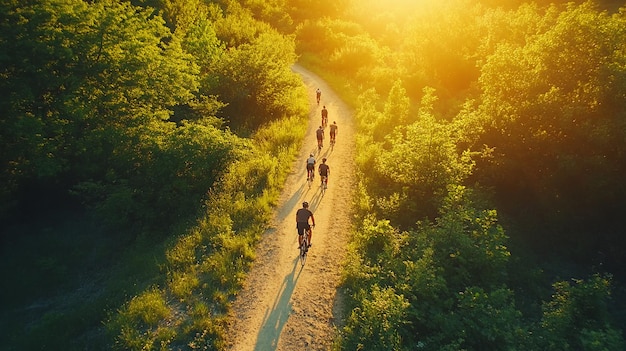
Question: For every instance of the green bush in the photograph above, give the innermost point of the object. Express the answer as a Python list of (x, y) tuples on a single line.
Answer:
[(375, 325)]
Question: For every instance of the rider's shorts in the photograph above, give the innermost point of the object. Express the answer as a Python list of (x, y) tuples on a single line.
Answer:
[(302, 226)]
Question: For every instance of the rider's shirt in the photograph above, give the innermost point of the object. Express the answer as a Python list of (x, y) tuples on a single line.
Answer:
[(310, 161), (320, 134), (333, 128), (324, 169), (302, 215)]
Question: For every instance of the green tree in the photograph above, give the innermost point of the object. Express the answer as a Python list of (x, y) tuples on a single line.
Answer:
[(577, 318), (451, 273), (438, 50), (431, 161), (374, 325), (256, 81), (553, 111)]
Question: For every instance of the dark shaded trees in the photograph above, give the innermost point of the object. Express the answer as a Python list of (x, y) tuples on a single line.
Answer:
[(554, 111)]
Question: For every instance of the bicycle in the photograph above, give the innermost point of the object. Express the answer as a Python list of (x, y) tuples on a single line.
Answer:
[(304, 247), (324, 184), (320, 144), (309, 177), (332, 144)]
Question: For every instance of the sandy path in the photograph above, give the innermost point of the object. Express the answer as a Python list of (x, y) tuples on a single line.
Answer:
[(284, 306)]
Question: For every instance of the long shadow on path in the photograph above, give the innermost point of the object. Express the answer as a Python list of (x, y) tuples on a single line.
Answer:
[(274, 322), (293, 201)]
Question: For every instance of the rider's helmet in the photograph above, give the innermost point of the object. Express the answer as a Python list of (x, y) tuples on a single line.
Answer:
[(334, 122), (305, 204), (324, 159), (311, 155)]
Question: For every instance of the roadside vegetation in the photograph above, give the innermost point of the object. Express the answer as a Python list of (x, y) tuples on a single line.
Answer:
[(491, 149), (145, 150)]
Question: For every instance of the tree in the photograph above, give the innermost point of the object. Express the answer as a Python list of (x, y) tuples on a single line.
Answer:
[(576, 318), (256, 81), (556, 120), (430, 162), (374, 326)]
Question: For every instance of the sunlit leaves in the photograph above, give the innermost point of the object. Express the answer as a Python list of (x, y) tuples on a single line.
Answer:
[(256, 81), (136, 62), (328, 35), (201, 41), (374, 326), (488, 320), (449, 273), (272, 12), (397, 105), (538, 93), (86, 71), (236, 26), (421, 157)]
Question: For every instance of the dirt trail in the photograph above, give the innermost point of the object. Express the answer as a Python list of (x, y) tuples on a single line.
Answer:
[(283, 306)]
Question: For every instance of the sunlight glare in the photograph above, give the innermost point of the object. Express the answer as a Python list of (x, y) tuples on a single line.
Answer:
[(392, 9)]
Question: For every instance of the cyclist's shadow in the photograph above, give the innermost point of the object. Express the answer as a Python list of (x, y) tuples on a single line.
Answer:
[(316, 199), (293, 201), (274, 322)]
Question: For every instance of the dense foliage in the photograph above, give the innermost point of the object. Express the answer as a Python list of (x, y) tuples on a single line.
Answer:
[(485, 132), (141, 146), (147, 140)]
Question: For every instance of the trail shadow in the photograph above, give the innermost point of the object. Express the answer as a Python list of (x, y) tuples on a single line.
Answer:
[(290, 204), (316, 199), (325, 152), (273, 323)]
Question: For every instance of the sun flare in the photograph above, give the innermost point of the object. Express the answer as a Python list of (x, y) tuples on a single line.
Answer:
[(392, 10)]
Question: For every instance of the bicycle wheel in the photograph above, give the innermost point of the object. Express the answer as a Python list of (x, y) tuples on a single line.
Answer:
[(304, 249)]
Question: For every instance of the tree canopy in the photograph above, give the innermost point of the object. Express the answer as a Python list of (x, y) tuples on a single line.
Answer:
[(486, 130)]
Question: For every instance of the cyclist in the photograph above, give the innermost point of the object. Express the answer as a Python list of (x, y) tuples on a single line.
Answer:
[(302, 223), (310, 167), (320, 137), (324, 117), (318, 94), (324, 171), (333, 131)]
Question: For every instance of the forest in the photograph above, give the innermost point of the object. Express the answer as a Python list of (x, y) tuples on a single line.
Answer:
[(491, 149), (144, 144)]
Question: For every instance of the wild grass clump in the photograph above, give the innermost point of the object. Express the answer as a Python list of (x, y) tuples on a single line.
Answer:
[(139, 321)]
